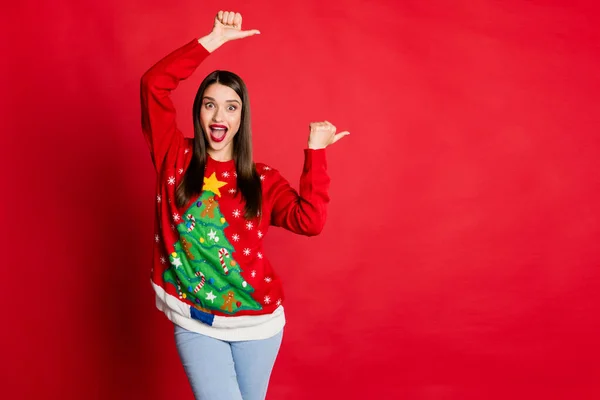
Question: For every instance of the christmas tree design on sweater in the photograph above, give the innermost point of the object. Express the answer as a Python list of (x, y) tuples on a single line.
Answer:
[(203, 267)]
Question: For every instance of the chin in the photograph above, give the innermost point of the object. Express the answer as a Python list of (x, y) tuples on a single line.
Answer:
[(218, 147)]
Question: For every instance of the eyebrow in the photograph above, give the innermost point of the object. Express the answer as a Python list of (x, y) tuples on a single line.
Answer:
[(226, 101)]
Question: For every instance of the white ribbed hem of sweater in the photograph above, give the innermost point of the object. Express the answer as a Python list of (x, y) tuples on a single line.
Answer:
[(231, 329)]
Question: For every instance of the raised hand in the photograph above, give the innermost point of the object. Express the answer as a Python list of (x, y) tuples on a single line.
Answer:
[(227, 26), (322, 134)]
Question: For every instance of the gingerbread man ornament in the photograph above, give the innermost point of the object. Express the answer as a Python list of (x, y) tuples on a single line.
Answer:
[(229, 300)]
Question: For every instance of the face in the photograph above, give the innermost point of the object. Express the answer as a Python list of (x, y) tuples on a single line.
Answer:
[(220, 116)]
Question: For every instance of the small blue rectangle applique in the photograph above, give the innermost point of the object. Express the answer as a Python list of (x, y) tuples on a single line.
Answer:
[(202, 316)]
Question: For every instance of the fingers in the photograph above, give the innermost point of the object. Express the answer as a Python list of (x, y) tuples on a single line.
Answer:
[(324, 124), (223, 16), (326, 131), (230, 17), (331, 127), (237, 20), (322, 134)]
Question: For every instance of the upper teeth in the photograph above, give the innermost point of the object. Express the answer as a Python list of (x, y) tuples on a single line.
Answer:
[(215, 128)]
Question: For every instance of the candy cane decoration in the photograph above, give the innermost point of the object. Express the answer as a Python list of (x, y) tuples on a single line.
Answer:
[(224, 252), (179, 288), (202, 281), (191, 222)]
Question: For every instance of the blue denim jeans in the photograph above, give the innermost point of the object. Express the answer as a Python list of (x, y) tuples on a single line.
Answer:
[(219, 370)]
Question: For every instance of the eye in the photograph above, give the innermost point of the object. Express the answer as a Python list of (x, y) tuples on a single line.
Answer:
[(209, 105), (232, 108)]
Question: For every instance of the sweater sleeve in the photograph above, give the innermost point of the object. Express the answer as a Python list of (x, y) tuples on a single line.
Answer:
[(158, 112), (305, 212)]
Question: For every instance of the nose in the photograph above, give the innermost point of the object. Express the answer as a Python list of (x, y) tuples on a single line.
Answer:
[(218, 115)]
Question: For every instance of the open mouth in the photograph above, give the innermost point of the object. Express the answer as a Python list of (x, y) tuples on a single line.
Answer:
[(217, 132)]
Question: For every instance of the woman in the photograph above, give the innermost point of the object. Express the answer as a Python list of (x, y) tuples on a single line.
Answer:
[(214, 206)]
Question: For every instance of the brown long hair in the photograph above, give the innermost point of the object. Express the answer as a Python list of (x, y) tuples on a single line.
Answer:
[(248, 180)]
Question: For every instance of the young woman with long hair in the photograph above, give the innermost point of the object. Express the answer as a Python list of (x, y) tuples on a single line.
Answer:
[(214, 206)]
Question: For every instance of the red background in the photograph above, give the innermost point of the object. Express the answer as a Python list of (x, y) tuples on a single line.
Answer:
[(460, 259)]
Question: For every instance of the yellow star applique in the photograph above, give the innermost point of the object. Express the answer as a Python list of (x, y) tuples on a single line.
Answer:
[(213, 184)]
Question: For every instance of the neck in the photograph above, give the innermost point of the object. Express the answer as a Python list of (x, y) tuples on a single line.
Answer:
[(222, 156)]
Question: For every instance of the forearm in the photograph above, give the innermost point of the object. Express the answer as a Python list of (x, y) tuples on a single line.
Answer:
[(304, 212), (211, 42), (157, 108), (175, 67)]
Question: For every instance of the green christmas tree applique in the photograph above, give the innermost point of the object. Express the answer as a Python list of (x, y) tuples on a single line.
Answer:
[(203, 267)]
